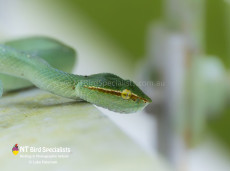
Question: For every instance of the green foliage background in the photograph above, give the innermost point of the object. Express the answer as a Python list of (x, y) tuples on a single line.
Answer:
[(217, 41), (126, 22)]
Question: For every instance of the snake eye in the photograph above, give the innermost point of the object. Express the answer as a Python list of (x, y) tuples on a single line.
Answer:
[(126, 94)]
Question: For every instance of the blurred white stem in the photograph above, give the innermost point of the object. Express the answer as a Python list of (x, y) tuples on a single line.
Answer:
[(180, 38)]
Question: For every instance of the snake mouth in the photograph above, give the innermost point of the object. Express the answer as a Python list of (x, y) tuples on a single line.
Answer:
[(135, 97), (125, 94)]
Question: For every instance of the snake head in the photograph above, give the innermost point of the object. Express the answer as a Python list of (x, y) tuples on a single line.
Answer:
[(112, 92)]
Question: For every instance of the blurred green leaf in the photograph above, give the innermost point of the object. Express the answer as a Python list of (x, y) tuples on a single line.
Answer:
[(220, 127), (125, 21), (216, 30)]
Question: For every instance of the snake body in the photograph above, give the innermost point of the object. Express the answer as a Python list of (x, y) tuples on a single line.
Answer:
[(46, 63)]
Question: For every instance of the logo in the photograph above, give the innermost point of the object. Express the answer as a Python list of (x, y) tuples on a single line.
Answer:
[(15, 150)]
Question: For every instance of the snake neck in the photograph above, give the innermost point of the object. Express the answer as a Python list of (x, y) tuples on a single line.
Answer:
[(56, 81)]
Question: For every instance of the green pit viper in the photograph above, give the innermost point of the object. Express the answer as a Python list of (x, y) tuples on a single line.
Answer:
[(47, 64)]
